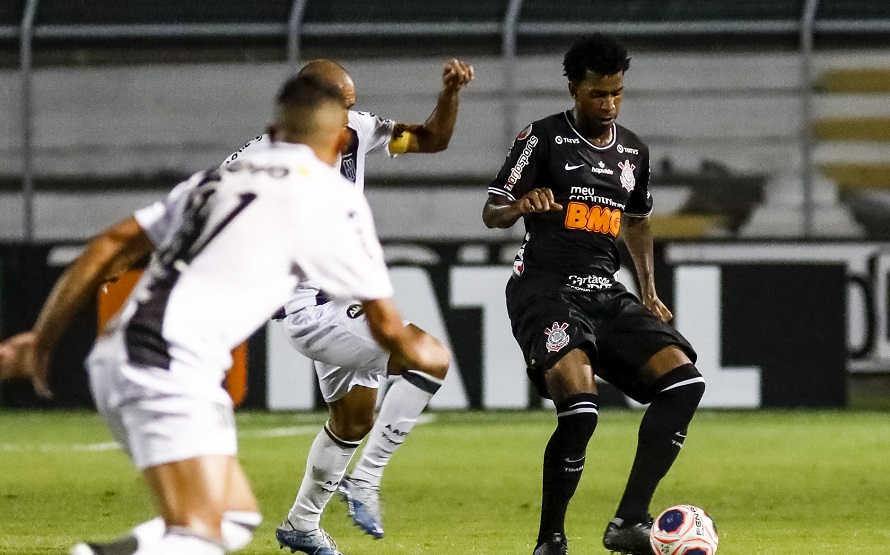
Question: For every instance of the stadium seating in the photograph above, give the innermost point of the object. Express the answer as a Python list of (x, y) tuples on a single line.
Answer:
[(716, 203), (662, 12), (394, 18), (855, 144), (110, 12)]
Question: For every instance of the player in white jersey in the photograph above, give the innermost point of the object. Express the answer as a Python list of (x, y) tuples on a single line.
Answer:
[(349, 364), (246, 233)]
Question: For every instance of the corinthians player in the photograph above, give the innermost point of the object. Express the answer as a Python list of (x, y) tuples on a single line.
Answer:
[(576, 178)]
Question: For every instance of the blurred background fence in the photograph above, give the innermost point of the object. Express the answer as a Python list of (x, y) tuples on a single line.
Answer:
[(768, 121)]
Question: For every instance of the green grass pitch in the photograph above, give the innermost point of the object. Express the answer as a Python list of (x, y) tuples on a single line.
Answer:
[(798, 482)]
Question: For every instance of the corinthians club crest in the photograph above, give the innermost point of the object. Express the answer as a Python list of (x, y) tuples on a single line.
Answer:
[(557, 338), (627, 175)]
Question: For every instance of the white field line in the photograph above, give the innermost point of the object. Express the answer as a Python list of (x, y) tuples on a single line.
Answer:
[(287, 431)]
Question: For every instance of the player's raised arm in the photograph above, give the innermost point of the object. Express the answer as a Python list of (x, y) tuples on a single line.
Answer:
[(107, 255), (435, 133)]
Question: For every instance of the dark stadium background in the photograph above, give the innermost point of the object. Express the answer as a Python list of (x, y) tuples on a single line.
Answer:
[(768, 123)]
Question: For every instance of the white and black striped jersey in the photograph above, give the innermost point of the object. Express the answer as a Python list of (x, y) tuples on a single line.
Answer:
[(595, 185), (369, 133), (232, 244)]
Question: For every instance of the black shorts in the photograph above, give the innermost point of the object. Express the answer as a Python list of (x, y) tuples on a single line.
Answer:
[(612, 326)]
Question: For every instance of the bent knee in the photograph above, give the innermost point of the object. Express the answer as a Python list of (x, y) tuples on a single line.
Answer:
[(353, 427), (685, 378)]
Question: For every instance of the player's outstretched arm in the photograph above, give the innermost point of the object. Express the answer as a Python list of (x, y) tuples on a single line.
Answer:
[(501, 212), (107, 256), (435, 133), (410, 347), (637, 235)]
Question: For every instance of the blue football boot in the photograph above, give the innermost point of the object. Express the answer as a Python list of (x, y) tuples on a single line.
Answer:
[(363, 501)]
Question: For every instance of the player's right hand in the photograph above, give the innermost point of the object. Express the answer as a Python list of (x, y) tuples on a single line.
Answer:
[(538, 200), (21, 357), (457, 74)]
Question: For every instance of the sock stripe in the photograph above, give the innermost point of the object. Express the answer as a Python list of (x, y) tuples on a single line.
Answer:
[(683, 383), (578, 408), (187, 532), (341, 442), (425, 382), (578, 411), (246, 519)]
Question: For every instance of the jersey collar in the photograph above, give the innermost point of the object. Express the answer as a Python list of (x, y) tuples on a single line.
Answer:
[(591, 145)]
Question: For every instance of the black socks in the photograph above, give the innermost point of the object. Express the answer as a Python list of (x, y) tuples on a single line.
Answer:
[(661, 436), (564, 459)]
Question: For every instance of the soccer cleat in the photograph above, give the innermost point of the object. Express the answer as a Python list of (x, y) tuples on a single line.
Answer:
[(128, 545), (313, 542), (363, 501), (631, 539), (556, 545)]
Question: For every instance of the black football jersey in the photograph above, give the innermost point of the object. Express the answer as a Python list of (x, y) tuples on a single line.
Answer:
[(595, 185)]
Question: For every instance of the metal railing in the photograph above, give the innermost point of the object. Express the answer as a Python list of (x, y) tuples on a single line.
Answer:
[(510, 29)]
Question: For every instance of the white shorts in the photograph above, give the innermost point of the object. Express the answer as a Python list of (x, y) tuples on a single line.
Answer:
[(336, 336), (160, 416)]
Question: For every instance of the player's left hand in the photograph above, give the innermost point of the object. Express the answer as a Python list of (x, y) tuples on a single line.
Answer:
[(456, 74), (654, 304), (21, 357)]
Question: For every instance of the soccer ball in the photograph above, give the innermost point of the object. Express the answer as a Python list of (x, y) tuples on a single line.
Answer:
[(683, 530)]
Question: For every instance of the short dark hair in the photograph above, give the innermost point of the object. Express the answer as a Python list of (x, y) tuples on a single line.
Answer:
[(597, 53), (308, 92)]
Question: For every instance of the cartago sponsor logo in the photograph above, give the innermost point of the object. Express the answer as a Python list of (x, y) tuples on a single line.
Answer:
[(516, 172), (587, 193), (597, 219), (589, 283)]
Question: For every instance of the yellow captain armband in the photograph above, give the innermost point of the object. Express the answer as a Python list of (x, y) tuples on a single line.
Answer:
[(400, 144)]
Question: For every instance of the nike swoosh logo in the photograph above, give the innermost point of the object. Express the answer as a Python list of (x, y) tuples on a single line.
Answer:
[(570, 168)]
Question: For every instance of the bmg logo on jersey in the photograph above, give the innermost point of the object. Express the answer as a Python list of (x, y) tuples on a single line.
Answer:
[(596, 218), (559, 140)]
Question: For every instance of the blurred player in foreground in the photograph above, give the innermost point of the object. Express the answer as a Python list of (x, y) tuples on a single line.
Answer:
[(574, 178), (334, 334), (247, 233)]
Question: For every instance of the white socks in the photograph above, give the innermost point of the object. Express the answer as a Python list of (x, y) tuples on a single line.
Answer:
[(237, 530), (238, 527), (325, 466), (149, 532), (179, 541), (405, 400)]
